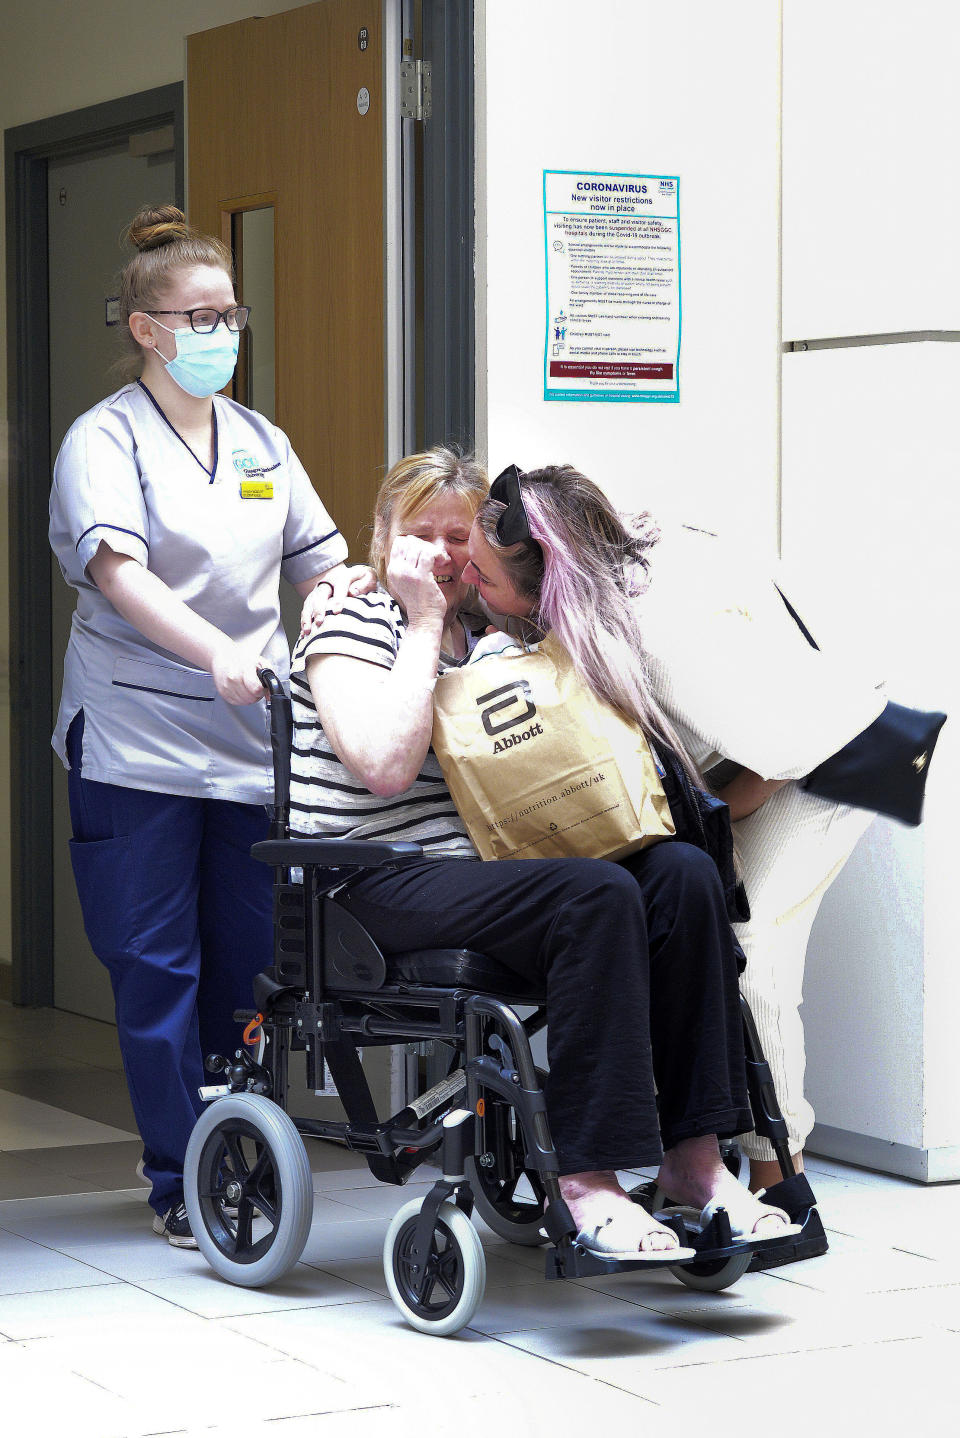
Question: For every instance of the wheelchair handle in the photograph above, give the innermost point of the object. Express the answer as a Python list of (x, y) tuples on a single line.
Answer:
[(281, 743)]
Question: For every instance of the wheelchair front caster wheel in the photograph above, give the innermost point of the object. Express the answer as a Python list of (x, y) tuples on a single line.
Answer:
[(444, 1298), (248, 1189)]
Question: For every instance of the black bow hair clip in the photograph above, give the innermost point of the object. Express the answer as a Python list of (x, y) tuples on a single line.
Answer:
[(513, 526)]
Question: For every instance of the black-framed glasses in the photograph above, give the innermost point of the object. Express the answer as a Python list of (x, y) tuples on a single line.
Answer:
[(204, 321), (513, 526)]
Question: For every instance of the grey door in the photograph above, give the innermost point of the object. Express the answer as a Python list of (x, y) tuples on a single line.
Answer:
[(90, 200)]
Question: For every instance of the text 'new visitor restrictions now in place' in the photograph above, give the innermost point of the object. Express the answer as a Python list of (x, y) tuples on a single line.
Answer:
[(613, 287)]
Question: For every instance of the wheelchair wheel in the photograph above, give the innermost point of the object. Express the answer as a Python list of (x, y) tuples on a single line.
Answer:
[(712, 1277), (508, 1196), (709, 1276), (248, 1189), (443, 1300)]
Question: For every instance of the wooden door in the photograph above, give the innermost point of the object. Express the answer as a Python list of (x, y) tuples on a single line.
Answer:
[(286, 113)]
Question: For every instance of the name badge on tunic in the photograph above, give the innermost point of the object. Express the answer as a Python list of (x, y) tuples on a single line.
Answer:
[(256, 489), (251, 472)]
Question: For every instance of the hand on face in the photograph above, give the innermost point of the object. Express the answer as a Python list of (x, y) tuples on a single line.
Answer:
[(410, 578)]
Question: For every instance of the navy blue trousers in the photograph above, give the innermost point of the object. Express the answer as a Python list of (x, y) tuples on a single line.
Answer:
[(181, 916), (641, 976)]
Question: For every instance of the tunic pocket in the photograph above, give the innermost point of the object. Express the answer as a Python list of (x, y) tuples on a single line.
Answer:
[(166, 679)]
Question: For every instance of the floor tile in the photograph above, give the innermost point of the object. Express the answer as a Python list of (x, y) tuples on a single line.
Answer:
[(356, 1238), (206, 1294), (333, 1181), (625, 1351), (479, 1383), (222, 1378), (25, 1123), (101, 1166), (40, 1398), (77, 1218), (76, 1312), (913, 1218), (21, 1177), (884, 1389), (27, 1267), (855, 1266), (382, 1200), (88, 1091), (551, 1305)]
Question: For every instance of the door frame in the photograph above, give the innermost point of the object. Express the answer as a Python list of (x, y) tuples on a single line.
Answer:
[(28, 151), (448, 271)]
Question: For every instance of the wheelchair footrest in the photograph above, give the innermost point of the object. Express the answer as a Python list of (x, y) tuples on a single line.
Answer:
[(572, 1261), (715, 1243)]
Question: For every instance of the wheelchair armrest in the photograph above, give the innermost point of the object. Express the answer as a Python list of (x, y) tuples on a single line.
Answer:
[(335, 853)]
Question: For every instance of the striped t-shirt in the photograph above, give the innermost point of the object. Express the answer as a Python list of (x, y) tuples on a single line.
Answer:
[(325, 796)]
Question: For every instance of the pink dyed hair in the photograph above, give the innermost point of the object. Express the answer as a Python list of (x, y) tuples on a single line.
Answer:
[(582, 573)]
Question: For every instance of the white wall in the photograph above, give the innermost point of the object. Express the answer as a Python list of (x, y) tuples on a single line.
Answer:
[(870, 504), (688, 89), (871, 507), (870, 201)]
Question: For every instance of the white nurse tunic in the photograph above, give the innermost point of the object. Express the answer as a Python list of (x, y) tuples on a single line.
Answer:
[(735, 674), (220, 541)]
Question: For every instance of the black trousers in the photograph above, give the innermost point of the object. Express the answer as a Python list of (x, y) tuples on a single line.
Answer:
[(640, 972)]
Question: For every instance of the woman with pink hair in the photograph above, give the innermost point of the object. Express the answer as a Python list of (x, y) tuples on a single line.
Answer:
[(700, 649)]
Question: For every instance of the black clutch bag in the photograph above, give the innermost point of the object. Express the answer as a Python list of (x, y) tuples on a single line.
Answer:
[(885, 767)]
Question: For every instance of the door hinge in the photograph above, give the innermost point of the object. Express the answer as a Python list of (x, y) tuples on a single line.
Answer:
[(416, 90)]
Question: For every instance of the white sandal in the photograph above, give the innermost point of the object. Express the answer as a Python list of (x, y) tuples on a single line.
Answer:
[(742, 1210), (618, 1235)]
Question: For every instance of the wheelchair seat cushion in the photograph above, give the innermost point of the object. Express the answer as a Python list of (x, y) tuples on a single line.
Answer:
[(461, 969)]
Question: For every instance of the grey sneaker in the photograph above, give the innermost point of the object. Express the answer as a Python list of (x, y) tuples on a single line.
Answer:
[(174, 1225)]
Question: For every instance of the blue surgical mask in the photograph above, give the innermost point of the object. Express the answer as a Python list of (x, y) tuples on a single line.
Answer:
[(203, 364)]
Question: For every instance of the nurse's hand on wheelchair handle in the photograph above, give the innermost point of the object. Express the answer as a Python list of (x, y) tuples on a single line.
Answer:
[(234, 671)]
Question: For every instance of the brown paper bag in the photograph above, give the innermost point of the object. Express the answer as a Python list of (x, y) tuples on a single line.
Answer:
[(538, 767)]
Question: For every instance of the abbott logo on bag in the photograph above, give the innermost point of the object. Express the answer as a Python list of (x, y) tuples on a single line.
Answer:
[(509, 697)]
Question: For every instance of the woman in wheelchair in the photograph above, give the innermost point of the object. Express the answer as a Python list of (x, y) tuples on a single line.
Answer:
[(637, 958)]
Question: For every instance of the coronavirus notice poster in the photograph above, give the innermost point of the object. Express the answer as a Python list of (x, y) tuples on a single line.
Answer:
[(613, 287)]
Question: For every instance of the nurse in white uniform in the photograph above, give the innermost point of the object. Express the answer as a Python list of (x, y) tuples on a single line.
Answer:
[(173, 514), (742, 684)]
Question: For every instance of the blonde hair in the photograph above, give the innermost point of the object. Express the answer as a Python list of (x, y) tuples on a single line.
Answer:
[(164, 243), (416, 481)]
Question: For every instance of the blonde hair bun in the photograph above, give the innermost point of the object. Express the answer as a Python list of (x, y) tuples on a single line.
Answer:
[(154, 226)]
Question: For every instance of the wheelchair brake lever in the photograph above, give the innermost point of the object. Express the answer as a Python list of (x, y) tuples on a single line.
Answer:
[(501, 1047)]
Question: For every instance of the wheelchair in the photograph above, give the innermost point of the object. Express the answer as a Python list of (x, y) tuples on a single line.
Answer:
[(330, 992)]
